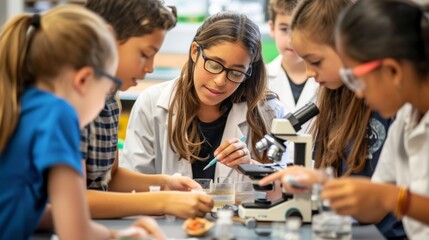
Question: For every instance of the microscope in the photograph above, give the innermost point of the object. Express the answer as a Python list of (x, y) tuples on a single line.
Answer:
[(282, 129)]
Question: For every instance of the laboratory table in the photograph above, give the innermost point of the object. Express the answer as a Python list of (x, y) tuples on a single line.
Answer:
[(174, 230)]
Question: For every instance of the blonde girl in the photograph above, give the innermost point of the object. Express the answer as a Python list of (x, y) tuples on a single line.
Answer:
[(55, 74)]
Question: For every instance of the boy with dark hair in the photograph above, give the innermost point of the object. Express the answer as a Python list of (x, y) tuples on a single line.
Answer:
[(140, 27)]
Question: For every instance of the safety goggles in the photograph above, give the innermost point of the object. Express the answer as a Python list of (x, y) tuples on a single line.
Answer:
[(351, 76)]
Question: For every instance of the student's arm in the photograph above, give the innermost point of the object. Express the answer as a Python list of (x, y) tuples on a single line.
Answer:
[(369, 202), (124, 203), (419, 208), (180, 204), (366, 201), (124, 180), (69, 209)]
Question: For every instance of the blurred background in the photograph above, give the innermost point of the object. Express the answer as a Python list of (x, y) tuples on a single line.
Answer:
[(173, 54)]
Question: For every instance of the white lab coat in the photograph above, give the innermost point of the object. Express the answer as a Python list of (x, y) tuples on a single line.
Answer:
[(146, 147), (404, 160), (279, 83)]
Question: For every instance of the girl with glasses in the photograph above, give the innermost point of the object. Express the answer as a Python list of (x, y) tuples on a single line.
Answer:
[(396, 81), (51, 87), (348, 135), (220, 96)]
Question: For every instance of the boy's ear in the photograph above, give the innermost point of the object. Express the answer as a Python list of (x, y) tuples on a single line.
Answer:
[(82, 78), (194, 51), (271, 25), (393, 71)]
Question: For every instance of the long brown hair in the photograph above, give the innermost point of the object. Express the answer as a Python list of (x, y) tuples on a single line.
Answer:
[(218, 29), (66, 36), (343, 119)]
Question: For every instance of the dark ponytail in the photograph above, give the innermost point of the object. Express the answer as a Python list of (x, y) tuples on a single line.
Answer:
[(399, 29)]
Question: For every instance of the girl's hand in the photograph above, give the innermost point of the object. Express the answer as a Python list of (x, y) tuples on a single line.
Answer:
[(358, 195), (186, 204), (295, 179), (179, 183), (141, 228), (233, 152)]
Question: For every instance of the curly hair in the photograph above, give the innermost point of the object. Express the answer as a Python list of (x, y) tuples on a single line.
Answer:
[(134, 18)]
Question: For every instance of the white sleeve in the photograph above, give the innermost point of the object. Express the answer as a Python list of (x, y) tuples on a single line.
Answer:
[(385, 171), (139, 153)]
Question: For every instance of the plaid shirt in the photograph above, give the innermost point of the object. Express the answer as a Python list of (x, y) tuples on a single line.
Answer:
[(99, 144)]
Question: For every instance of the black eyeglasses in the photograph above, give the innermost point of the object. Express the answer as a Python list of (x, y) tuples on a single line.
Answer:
[(212, 66), (116, 81)]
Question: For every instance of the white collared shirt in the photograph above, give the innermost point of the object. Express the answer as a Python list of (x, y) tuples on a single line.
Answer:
[(404, 160)]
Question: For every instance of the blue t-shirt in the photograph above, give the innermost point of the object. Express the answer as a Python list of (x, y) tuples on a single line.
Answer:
[(376, 135), (47, 135)]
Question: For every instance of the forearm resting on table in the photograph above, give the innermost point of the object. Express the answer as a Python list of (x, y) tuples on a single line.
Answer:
[(116, 205), (124, 180), (417, 209)]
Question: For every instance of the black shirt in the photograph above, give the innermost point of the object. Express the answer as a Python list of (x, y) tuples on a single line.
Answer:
[(212, 134), (296, 89)]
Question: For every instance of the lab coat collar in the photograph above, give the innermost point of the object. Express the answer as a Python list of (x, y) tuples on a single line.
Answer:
[(415, 126), (274, 67), (410, 118), (167, 95), (279, 83)]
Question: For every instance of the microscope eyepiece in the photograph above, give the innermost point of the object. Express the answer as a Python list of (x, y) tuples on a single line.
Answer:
[(302, 115)]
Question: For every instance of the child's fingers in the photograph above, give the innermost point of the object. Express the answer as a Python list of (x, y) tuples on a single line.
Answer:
[(270, 178), (150, 226)]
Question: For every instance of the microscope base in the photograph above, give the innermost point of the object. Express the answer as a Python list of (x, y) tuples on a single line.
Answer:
[(279, 211)]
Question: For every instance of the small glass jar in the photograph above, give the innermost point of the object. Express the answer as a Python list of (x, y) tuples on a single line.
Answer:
[(224, 225)]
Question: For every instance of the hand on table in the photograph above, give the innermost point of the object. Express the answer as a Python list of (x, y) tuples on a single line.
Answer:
[(142, 227), (233, 152), (187, 205)]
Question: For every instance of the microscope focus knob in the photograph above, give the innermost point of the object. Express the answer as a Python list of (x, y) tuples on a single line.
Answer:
[(293, 213), (262, 144)]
